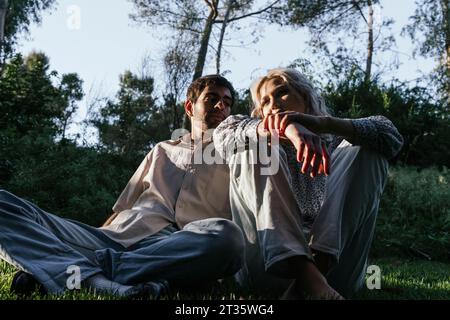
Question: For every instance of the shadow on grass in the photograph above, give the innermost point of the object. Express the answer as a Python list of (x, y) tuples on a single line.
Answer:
[(401, 280)]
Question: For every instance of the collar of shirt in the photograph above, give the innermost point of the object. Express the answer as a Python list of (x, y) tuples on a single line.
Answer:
[(188, 141)]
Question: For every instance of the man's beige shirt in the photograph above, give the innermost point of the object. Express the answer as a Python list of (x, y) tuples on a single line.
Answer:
[(170, 187)]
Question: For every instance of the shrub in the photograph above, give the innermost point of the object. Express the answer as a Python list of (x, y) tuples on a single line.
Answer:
[(414, 216)]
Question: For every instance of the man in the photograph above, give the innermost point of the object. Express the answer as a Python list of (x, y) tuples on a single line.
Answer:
[(171, 223)]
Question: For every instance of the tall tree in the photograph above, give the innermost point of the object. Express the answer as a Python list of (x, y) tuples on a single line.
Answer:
[(3, 10), (71, 92), (226, 17), (178, 66), (131, 124), (197, 18), (31, 100), (430, 31), (205, 35), (328, 20), (28, 98), (16, 17)]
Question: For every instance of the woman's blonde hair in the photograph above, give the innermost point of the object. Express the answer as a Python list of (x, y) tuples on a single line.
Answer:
[(315, 104)]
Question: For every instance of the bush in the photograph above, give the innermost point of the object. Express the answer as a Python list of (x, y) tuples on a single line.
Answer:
[(414, 217), (65, 179)]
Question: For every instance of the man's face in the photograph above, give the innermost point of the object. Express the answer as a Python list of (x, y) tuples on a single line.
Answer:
[(212, 106)]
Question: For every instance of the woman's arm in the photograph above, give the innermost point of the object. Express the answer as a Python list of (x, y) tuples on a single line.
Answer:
[(238, 130), (375, 132), (233, 132)]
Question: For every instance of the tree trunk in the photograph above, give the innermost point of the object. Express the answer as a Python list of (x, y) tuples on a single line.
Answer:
[(3, 11), (204, 42), (446, 23), (369, 43), (222, 34)]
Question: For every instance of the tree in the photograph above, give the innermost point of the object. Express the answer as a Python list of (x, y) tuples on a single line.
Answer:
[(71, 90), (196, 20), (430, 31), (194, 17), (15, 18), (29, 102), (3, 10), (130, 125), (336, 19), (178, 66)]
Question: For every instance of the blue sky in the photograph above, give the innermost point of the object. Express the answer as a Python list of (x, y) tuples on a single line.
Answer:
[(108, 43)]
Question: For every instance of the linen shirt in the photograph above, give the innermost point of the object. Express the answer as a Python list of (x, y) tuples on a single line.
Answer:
[(171, 186)]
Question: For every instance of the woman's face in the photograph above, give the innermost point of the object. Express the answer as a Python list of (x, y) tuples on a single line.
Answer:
[(276, 96)]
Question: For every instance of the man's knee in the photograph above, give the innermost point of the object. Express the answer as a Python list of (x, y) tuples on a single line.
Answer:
[(3, 194), (226, 244), (228, 237), (4, 197)]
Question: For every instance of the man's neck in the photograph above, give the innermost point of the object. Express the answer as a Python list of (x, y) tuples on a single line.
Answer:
[(199, 134), (200, 131)]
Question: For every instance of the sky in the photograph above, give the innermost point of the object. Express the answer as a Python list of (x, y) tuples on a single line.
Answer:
[(98, 40)]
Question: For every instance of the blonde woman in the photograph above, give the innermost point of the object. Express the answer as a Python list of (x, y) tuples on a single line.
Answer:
[(308, 226)]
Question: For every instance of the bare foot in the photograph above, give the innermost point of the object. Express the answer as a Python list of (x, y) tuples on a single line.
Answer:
[(310, 284)]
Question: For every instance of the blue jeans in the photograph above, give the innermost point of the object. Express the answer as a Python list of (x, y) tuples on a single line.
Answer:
[(46, 245)]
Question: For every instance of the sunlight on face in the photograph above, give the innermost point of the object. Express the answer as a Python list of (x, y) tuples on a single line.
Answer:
[(277, 96)]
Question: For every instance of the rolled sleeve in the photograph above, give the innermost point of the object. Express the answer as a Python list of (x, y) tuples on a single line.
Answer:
[(233, 132), (378, 133)]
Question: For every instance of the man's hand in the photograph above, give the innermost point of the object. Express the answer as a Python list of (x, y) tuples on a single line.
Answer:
[(110, 219), (311, 150)]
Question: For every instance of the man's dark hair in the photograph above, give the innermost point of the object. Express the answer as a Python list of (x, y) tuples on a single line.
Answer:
[(196, 88)]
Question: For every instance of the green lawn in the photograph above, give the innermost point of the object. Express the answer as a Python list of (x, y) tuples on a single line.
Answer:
[(401, 279)]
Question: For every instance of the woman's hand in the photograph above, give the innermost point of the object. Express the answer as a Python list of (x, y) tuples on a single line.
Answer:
[(311, 150), (276, 123)]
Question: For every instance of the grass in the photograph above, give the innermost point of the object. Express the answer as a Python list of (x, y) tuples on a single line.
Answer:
[(401, 280)]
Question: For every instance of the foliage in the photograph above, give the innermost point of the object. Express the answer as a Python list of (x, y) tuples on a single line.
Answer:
[(421, 120), (19, 16), (64, 179), (29, 102), (430, 31), (414, 217), (338, 28), (133, 123)]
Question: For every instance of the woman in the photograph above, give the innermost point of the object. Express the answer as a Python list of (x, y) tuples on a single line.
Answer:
[(313, 220)]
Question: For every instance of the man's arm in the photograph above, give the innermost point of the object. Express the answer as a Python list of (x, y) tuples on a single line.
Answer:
[(133, 189), (235, 130)]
